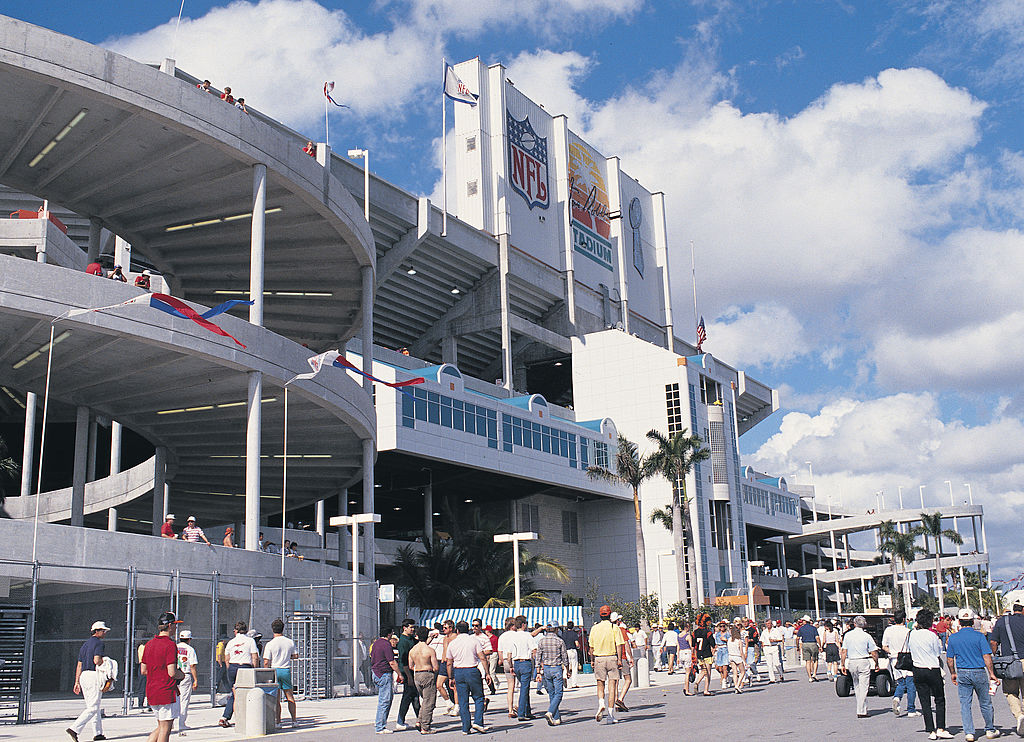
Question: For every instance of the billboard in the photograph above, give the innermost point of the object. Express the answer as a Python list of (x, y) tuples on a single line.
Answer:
[(589, 212)]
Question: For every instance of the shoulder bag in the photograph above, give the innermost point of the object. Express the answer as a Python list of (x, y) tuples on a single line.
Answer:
[(1008, 667), (905, 660)]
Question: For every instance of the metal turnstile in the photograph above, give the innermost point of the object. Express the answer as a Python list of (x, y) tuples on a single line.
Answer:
[(14, 674)]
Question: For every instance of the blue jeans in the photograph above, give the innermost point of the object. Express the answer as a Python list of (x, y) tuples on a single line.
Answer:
[(384, 695), (229, 708), (553, 685), (469, 683), (968, 682), (906, 685), (524, 673)]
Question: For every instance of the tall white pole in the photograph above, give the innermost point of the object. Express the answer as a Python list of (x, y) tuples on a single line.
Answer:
[(284, 483), (355, 605), (832, 535), (817, 608), (42, 444), (444, 150), (327, 120), (956, 527), (515, 569), (693, 273), (174, 43)]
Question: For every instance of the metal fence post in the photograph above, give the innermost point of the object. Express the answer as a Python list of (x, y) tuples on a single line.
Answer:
[(252, 602), (133, 599), (126, 672), (284, 596), (214, 620), (330, 639)]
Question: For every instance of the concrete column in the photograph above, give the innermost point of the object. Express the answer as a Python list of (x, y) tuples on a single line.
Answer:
[(506, 320), (366, 276), (257, 244), (28, 454), (253, 445), (90, 465), (368, 507), (320, 521), (344, 547), (159, 479), (254, 413), (428, 513), (450, 350), (94, 240), (115, 467), (79, 471)]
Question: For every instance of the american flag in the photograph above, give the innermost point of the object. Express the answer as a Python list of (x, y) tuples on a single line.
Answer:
[(702, 334)]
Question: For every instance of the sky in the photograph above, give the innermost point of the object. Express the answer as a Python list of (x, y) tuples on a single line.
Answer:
[(851, 175)]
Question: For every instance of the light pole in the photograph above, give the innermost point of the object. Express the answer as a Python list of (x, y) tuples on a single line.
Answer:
[(750, 587), (355, 154), (515, 538), (814, 581), (814, 495), (952, 504), (354, 522)]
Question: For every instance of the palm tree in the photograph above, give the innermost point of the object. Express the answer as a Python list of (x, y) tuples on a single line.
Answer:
[(902, 549), (663, 516), (931, 525), (632, 470), (675, 457)]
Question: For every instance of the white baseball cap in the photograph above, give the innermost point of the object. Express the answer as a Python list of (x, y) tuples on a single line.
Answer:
[(806, 618), (186, 634), (615, 616), (966, 614), (100, 626)]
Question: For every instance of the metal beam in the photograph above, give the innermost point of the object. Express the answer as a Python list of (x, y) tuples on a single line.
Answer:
[(406, 244)]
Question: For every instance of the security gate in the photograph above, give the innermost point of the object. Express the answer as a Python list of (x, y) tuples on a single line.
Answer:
[(311, 672), (14, 677)]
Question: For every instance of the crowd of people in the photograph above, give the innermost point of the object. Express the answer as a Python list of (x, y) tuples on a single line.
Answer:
[(457, 661), (226, 96)]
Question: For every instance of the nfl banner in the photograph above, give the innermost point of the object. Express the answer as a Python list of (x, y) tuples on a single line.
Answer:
[(455, 89), (528, 162)]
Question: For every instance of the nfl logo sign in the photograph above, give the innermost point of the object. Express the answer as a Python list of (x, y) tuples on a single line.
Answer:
[(528, 162)]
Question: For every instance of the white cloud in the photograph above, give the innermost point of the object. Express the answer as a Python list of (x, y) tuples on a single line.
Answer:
[(859, 447), (467, 17), (766, 335)]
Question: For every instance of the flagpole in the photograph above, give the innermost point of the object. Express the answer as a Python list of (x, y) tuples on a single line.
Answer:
[(42, 444), (327, 121), (284, 483), (444, 148), (174, 43), (693, 273)]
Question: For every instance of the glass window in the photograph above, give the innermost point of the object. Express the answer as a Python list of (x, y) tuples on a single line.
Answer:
[(570, 527)]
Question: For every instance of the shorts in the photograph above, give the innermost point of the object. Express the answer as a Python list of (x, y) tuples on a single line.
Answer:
[(706, 661), (606, 668), (284, 678), (167, 711), (721, 656), (671, 651), (684, 656), (809, 652), (442, 669)]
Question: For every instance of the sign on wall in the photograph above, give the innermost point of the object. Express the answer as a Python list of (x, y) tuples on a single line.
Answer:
[(528, 162), (589, 212)]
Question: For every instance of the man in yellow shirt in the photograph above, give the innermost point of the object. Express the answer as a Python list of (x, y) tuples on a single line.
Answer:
[(606, 646)]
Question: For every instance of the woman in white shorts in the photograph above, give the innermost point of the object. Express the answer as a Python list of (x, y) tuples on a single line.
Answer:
[(737, 653), (685, 655)]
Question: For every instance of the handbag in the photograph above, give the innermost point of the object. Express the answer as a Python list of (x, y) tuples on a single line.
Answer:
[(1008, 667), (905, 660)]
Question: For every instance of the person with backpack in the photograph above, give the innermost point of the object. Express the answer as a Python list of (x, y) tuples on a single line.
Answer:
[(1007, 640)]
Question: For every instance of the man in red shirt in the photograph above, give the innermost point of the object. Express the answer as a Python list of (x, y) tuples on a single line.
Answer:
[(167, 529), (159, 662)]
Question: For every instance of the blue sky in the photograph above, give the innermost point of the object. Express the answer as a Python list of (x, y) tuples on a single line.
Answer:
[(852, 174)]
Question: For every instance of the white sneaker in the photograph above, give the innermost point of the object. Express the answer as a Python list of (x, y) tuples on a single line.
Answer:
[(911, 714), (993, 733), (896, 706), (942, 734), (400, 727), (968, 738), (1020, 727), (481, 729), (385, 730)]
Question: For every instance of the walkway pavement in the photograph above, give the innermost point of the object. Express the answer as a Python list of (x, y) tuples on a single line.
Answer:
[(795, 709)]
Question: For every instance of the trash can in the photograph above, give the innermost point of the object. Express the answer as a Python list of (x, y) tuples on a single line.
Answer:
[(256, 701)]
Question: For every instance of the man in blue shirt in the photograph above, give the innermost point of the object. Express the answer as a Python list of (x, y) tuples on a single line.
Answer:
[(89, 682), (808, 643), (969, 657)]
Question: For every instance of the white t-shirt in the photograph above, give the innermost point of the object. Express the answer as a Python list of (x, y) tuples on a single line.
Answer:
[(672, 639), (187, 657), (657, 638), (894, 641), (485, 643), (925, 648), (437, 644), (279, 651), (239, 651), (505, 643), (640, 639), (519, 645)]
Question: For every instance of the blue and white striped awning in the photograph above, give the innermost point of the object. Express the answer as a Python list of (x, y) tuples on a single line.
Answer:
[(496, 616)]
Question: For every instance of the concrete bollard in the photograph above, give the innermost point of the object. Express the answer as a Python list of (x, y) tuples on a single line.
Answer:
[(643, 673)]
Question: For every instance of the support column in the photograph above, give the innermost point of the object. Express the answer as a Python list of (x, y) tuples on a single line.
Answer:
[(115, 467), (80, 466), (344, 548), (320, 520), (369, 550), (366, 277), (159, 480), (450, 350), (506, 320), (254, 413), (94, 240), (428, 513), (28, 454), (90, 465)]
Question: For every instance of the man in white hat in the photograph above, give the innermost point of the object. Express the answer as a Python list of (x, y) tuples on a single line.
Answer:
[(969, 658), (188, 663), (193, 533), (89, 683), (167, 529)]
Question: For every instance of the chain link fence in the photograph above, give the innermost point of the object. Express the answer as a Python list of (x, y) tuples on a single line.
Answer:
[(58, 608)]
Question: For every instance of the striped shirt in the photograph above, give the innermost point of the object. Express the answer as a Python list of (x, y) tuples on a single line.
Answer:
[(551, 652)]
